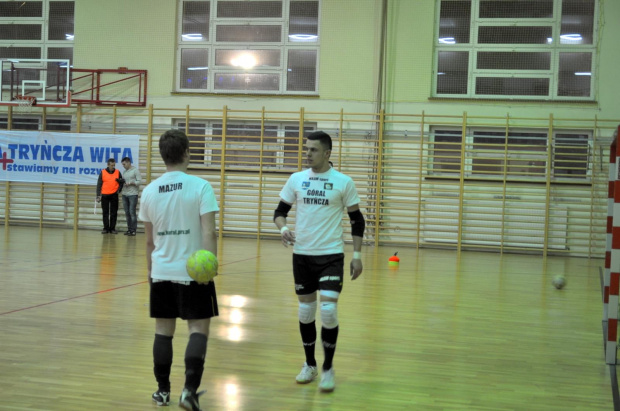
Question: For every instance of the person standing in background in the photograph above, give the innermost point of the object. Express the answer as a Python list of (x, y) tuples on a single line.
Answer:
[(109, 184), (131, 189)]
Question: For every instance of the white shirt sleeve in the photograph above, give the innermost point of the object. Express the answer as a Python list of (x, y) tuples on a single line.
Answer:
[(350, 197), (288, 191)]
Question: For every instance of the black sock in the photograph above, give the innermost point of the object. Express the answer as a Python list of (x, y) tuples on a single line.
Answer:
[(329, 337), (308, 338), (194, 360), (162, 361)]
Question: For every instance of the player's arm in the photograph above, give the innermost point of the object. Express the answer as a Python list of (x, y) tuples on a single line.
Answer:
[(358, 225), (279, 218), (209, 236), (150, 246)]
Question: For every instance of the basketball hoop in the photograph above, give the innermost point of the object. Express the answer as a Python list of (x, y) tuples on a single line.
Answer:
[(25, 103)]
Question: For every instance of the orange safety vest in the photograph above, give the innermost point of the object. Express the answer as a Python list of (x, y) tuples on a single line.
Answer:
[(110, 185)]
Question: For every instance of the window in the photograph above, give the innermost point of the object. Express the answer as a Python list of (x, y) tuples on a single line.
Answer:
[(34, 37), (36, 29), (28, 122), (248, 47), (516, 155), (515, 49), (245, 149), (57, 123)]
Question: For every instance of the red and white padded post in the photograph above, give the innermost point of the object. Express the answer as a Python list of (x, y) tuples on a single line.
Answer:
[(612, 285), (610, 223)]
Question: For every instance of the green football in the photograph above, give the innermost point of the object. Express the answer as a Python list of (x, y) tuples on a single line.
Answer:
[(202, 266)]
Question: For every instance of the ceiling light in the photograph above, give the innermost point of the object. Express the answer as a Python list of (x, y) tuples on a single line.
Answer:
[(192, 37), (245, 61), (303, 37), (447, 40)]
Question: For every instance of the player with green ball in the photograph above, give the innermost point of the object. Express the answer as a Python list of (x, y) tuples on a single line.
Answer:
[(178, 211)]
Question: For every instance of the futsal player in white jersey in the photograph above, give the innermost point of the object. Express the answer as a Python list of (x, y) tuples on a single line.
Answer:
[(320, 195), (178, 211)]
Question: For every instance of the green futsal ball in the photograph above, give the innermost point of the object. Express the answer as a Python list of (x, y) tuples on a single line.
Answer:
[(559, 282), (202, 266)]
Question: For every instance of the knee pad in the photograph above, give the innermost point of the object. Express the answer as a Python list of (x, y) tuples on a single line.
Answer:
[(307, 312), (329, 314), (329, 293)]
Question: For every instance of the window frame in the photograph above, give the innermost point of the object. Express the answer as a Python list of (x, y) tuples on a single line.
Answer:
[(44, 43), (437, 155), (473, 48), (212, 46), (61, 122), (282, 144)]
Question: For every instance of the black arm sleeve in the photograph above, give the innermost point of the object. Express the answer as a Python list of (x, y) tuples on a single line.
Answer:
[(282, 210), (358, 224)]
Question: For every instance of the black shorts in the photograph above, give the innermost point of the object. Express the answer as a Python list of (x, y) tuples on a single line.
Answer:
[(188, 302), (318, 272)]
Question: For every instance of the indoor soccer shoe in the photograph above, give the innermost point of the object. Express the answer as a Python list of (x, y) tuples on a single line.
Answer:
[(189, 400), (307, 374), (328, 382), (161, 397)]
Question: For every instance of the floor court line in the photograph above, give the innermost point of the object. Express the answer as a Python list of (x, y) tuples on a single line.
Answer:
[(99, 292), (71, 298)]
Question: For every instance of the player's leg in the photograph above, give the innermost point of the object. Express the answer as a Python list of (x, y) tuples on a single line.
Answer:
[(162, 297), (305, 287), (199, 305), (162, 358), (330, 285)]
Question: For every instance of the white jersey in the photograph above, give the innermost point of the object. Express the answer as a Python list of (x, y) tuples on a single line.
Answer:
[(320, 200), (173, 204)]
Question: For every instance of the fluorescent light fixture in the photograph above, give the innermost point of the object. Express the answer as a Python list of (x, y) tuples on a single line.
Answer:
[(571, 37), (197, 68), (441, 73), (244, 60), (549, 40), (69, 36), (303, 37), (447, 40), (192, 37), (583, 73)]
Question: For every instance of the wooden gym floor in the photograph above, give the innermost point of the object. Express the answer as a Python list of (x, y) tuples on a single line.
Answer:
[(478, 331)]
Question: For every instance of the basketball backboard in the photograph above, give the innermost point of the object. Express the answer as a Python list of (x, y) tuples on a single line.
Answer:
[(45, 80)]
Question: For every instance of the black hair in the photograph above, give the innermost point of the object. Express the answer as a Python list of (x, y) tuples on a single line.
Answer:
[(111, 160), (126, 159), (323, 137), (173, 145)]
